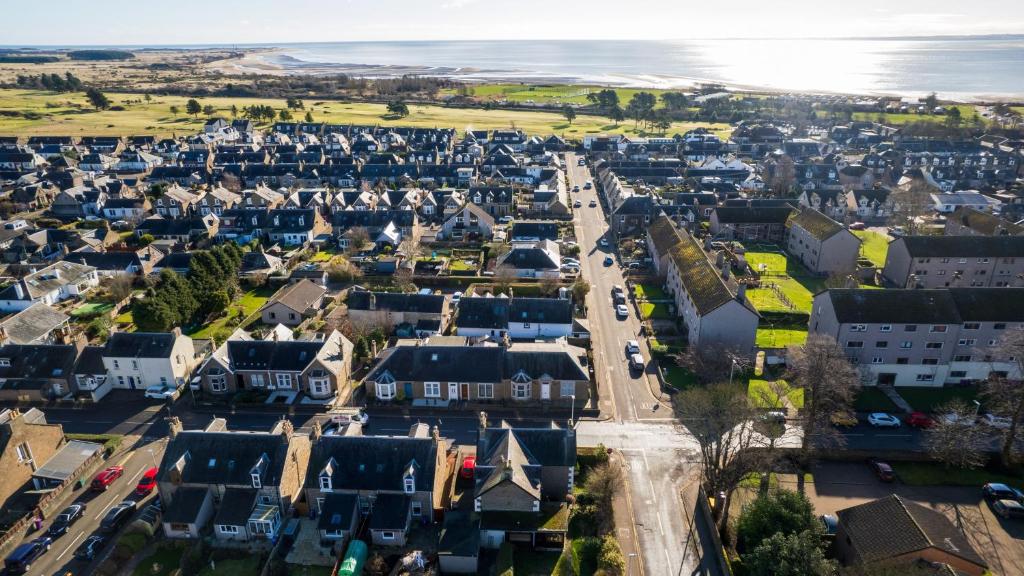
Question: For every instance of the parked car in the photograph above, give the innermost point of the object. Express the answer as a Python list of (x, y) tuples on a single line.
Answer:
[(456, 298), (1008, 508), (65, 519), (581, 162), (774, 416), (857, 226), (20, 561), (147, 483), (576, 188), (588, 185), (608, 261), (1000, 422), (592, 204), (505, 220), (997, 491), (577, 204), (603, 242), (919, 420), (636, 362), (843, 419), (568, 260), (104, 479), (468, 467), (117, 516), (621, 310), (570, 268), (360, 416), (882, 470), (830, 524), (883, 420), (162, 392), (88, 550), (632, 347)]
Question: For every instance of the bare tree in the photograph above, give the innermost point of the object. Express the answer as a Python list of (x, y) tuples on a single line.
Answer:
[(719, 417), (841, 279), (955, 439), (358, 239), (783, 178), (712, 363), (910, 204), (121, 286), (829, 382), (1005, 396), (504, 276), (548, 286)]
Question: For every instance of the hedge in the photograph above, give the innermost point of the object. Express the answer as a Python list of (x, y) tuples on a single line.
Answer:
[(587, 458), (111, 442), (584, 555)]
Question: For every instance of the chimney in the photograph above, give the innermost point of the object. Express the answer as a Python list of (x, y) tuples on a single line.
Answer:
[(286, 429), (373, 301), (435, 433), (176, 331), (174, 426), (19, 290), (725, 272), (483, 421), (317, 432)]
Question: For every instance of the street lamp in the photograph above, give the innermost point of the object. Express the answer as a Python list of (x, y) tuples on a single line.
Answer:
[(572, 413), (732, 368), (977, 408)]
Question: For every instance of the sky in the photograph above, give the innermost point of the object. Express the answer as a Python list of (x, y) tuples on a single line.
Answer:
[(131, 22)]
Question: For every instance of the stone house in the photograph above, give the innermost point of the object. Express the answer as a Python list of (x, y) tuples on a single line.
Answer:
[(27, 441), (421, 313), (294, 303)]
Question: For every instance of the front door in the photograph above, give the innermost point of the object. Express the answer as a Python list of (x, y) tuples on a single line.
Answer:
[(465, 391), (453, 391), (408, 389), (545, 390)]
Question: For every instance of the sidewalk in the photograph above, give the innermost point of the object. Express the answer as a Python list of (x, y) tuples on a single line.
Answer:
[(700, 540), (625, 524)]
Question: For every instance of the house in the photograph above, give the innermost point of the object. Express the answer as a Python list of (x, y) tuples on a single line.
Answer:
[(245, 483), (55, 283), (521, 481), (384, 227), (295, 227), (972, 222), (922, 337), (107, 264), (258, 262), (533, 231), (714, 309), (525, 318), (293, 304), (424, 314), (137, 360), (532, 260), (529, 374), (952, 261), (396, 480), (949, 202), (35, 372), (89, 376), (127, 209), (217, 200), (872, 206), (891, 531), (632, 216), (470, 222), (27, 440), (746, 223), (177, 202), (320, 367), (821, 244), (37, 324)]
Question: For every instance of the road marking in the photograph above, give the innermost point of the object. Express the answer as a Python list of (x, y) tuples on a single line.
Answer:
[(80, 534), (105, 508), (661, 527)]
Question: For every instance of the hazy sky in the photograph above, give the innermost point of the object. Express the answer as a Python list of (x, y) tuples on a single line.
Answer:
[(123, 22)]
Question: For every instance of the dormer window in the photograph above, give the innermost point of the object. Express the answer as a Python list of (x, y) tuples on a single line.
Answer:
[(326, 483), (410, 485), (256, 482), (5, 362)]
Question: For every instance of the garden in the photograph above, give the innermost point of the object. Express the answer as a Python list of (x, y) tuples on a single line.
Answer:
[(243, 307), (874, 246), (770, 394)]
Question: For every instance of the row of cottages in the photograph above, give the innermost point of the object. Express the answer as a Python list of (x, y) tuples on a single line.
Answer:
[(55, 283), (714, 308), (418, 315), (972, 222), (922, 337), (517, 318), (955, 261), (444, 373), (872, 206), (319, 367), (821, 244)]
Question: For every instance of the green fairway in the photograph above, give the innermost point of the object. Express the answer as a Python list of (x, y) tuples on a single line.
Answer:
[(874, 246)]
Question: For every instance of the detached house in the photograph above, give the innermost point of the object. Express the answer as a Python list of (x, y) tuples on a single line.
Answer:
[(424, 314), (55, 283), (137, 360), (244, 483), (533, 260), (471, 221), (294, 303)]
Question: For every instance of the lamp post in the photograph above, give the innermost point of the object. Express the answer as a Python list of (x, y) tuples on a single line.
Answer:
[(977, 408), (732, 369), (572, 413)]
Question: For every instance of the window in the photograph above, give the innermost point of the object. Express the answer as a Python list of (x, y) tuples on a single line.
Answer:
[(933, 345), (886, 328), (227, 529), (117, 365), (385, 390), (999, 326), (432, 389), (135, 364), (256, 380), (925, 377), (910, 328), (903, 361), (939, 328), (958, 374), (387, 535), (325, 483), (218, 383), (992, 342), (256, 482), (972, 325), (567, 388), (962, 358), (882, 344), (966, 342), (876, 360), (284, 380), (521, 390), (930, 361), (417, 509), (858, 328), (5, 361), (906, 345), (24, 452), (409, 485), (854, 344)]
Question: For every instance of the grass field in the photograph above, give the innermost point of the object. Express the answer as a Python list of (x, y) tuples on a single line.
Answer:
[(766, 394), (649, 292), (547, 94), (872, 400), (768, 337), (967, 113), (934, 474), (874, 246), (795, 282), (70, 114), (92, 309), (927, 399)]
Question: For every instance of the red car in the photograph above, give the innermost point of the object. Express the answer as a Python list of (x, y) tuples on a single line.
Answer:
[(146, 483), (468, 467), (106, 478), (919, 420), (882, 470)]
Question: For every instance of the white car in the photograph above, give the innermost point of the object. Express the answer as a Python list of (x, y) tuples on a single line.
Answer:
[(505, 219), (162, 392), (632, 347), (603, 242), (570, 268), (456, 297), (636, 362), (360, 417), (621, 310), (1000, 422), (568, 260), (883, 420)]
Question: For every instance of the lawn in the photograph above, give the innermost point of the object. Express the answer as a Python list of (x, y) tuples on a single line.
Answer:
[(58, 114), (935, 474), (248, 303), (649, 310), (874, 246), (168, 557), (792, 279), (871, 399), (967, 113), (649, 292), (90, 309), (234, 567), (773, 262), (546, 94), (766, 300), (768, 337), (531, 563), (678, 377), (928, 399), (769, 395)]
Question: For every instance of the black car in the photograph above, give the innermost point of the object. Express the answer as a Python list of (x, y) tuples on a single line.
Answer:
[(20, 561), (117, 516), (65, 519), (90, 548), (882, 470)]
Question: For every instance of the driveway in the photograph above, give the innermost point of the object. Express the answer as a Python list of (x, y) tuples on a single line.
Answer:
[(839, 485)]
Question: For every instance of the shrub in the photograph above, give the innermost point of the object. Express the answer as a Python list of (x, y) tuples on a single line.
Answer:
[(584, 521), (564, 565), (506, 559), (133, 542), (584, 555), (783, 511), (590, 457), (111, 442), (610, 559)]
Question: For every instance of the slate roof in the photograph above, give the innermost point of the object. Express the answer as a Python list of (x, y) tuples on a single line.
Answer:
[(985, 223), (819, 226), (140, 345), (481, 312), (373, 462), (225, 457), (753, 215), (890, 527), (235, 506), (704, 284), (542, 446), (460, 535), (541, 230), (478, 363), (37, 361), (90, 361), (963, 246), (184, 509), (105, 260), (289, 356), (396, 302), (390, 512), (46, 280), (541, 310), (539, 256), (337, 511), (989, 304), (299, 296), (32, 323), (897, 306)]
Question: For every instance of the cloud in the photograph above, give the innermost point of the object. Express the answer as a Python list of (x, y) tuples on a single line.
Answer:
[(456, 4)]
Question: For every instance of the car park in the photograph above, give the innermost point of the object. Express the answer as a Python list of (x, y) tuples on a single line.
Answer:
[(117, 516), (63, 521), (1008, 509), (636, 362), (147, 483), (90, 548), (21, 559), (881, 469), (621, 311), (998, 491), (104, 479), (161, 392), (632, 347), (883, 420), (919, 420)]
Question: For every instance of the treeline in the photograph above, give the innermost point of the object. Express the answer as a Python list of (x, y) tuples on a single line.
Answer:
[(209, 287), (100, 55), (52, 82), (316, 87), (27, 59)]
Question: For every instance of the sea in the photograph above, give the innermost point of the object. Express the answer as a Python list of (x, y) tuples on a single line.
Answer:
[(966, 68)]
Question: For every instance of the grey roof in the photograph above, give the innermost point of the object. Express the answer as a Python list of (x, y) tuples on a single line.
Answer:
[(374, 462), (395, 302), (290, 356), (299, 296), (985, 223), (854, 306), (337, 511), (67, 460), (963, 246), (225, 457), (531, 229), (542, 446), (185, 507), (235, 507), (460, 535), (541, 310), (37, 361), (32, 323), (140, 345), (481, 312), (90, 361), (889, 527), (540, 256), (818, 225), (989, 304), (54, 276), (752, 215), (478, 363), (390, 512)]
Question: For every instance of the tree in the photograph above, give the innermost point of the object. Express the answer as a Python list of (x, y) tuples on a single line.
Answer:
[(610, 561), (1004, 396), (953, 117), (309, 117), (284, 115), (789, 555), (954, 439), (718, 417), (192, 107), (711, 363), (98, 99), (823, 396), (504, 276), (675, 101), (616, 114), (781, 511), (548, 286), (931, 101), (234, 111), (398, 108), (580, 289), (783, 177), (570, 114), (146, 96), (601, 484), (120, 287), (174, 110), (209, 110), (358, 239), (640, 105), (910, 204)]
